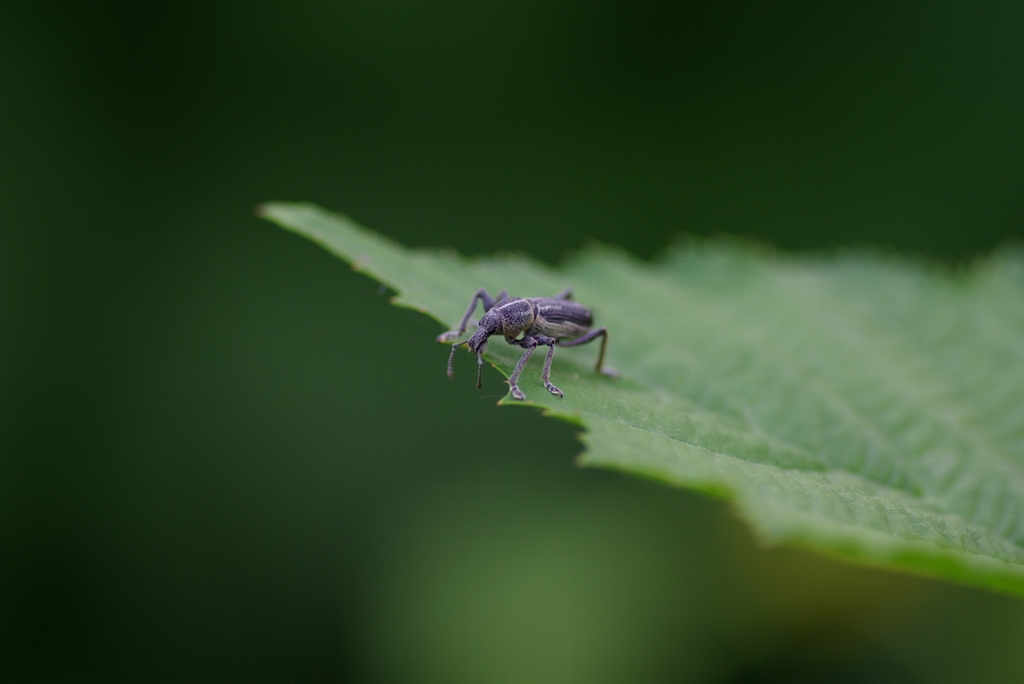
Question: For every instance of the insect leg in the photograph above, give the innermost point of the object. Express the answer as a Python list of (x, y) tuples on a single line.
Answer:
[(564, 294), (482, 295), (451, 359), (590, 337), (550, 341), (529, 344), (488, 302)]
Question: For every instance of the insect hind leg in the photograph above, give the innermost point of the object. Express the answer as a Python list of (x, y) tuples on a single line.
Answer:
[(601, 332)]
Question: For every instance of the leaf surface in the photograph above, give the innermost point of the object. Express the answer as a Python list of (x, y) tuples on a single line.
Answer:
[(868, 407)]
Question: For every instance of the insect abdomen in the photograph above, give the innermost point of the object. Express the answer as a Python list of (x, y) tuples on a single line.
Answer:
[(562, 318)]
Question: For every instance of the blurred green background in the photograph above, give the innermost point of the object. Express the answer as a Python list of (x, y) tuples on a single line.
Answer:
[(225, 457)]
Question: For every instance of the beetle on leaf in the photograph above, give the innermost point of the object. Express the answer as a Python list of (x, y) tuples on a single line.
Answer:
[(542, 321)]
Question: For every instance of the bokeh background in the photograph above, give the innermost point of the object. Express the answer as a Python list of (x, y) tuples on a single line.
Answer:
[(225, 457)]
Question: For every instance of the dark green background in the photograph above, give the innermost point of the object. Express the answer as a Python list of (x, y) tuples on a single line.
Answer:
[(224, 457)]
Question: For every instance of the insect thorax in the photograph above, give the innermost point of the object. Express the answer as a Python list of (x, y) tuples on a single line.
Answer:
[(516, 315)]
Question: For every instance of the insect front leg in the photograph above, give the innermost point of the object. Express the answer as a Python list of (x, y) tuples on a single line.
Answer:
[(530, 345), (488, 302)]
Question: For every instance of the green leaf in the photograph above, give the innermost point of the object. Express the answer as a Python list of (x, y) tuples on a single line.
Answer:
[(867, 407)]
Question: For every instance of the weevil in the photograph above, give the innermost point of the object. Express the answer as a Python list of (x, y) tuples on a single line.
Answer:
[(528, 323)]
